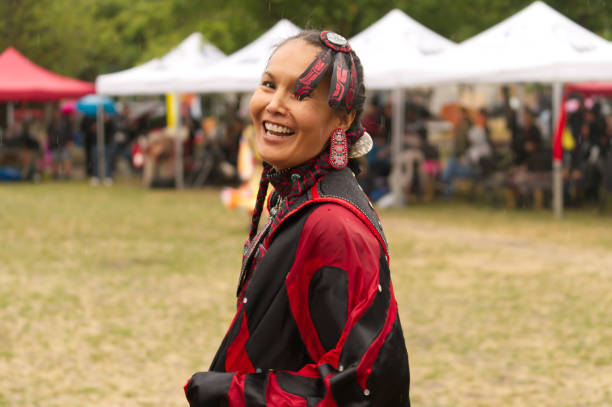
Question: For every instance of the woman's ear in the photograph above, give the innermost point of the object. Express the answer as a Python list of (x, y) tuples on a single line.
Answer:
[(346, 119)]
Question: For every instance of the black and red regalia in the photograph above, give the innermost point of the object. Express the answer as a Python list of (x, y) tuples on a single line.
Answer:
[(316, 322)]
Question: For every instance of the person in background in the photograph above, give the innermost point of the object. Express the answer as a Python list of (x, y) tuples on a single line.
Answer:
[(379, 167), (109, 133), (585, 176), (59, 140), (530, 141), (24, 147), (231, 141), (125, 134), (88, 128), (458, 165)]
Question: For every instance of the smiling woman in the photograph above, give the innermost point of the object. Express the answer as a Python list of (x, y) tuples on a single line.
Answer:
[(292, 129), (316, 321)]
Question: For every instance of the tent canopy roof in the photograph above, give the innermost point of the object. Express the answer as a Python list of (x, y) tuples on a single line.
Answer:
[(393, 43), (241, 71), (21, 79), (537, 44), (590, 88), (165, 74)]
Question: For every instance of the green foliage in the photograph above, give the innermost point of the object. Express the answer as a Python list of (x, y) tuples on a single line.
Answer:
[(84, 38)]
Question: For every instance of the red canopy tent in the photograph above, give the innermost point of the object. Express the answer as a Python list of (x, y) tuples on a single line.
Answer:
[(21, 79), (585, 88)]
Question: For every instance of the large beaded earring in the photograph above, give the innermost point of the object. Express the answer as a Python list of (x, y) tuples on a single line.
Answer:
[(338, 149)]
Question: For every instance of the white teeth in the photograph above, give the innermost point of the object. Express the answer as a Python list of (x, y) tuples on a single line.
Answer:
[(276, 128)]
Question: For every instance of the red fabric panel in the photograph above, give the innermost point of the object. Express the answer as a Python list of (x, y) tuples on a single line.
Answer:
[(557, 142), (357, 212), (275, 396), (328, 401), (365, 366), (318, 198), (185, 386), (235, 395), (236, 358), (333, 236), (587, 89)]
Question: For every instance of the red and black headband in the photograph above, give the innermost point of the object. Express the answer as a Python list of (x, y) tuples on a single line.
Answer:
[(343, 86)]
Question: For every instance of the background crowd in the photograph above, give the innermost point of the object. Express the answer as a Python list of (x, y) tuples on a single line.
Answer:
[(456, 147)]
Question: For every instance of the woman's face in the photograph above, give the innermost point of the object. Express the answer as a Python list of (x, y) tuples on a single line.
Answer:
[(290, 131)]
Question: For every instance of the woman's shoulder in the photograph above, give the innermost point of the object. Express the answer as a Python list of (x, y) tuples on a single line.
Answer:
[(329, 222)]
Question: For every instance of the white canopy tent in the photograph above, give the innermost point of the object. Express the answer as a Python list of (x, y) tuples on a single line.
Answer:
[(537, 44), (395, 46), (241, 71), (163, 75), (392, 48)]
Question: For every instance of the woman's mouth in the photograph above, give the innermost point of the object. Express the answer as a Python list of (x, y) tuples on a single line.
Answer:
[(276, 130)]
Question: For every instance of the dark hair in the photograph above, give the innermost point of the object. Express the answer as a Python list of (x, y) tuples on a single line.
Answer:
[(313, 37)]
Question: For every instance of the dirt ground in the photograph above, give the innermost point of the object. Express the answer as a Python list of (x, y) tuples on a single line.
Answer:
[(115, 296)]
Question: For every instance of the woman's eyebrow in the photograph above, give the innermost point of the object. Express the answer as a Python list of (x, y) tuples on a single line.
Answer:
[(284, 77), (269, 74)]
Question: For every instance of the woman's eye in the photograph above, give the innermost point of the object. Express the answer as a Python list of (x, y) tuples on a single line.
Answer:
[(302, 96), (267, 84)]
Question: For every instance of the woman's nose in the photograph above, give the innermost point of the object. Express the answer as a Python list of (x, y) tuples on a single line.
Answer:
[(277, 103)]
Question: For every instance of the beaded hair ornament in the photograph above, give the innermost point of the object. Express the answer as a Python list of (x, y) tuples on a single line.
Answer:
[(336, 55)]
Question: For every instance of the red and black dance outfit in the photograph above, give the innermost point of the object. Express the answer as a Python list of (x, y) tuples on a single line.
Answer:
[(317, 322)]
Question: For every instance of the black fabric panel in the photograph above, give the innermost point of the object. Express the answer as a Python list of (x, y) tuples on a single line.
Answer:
[(325, 369), (218, 363), (346, 390), (342, 184), (340, 81), (266, 282), (311, 77), (328, 304), (310, 389), (370, 325), (391, 389), (274, 339), (209, 389), (255, 389), (276, 343)]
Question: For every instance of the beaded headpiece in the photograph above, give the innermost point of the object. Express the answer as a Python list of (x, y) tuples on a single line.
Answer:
[(343, 86)]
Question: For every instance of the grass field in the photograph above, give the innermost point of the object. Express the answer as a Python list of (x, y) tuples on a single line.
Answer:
[(115, 296)]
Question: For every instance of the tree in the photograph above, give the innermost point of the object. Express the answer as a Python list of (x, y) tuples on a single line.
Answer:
[(85, 38)]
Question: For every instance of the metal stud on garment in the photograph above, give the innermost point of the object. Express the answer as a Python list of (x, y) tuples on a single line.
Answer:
[(338, 149)]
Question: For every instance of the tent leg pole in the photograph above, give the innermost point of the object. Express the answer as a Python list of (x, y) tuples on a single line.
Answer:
[(557, 189), (520, 96), (397, 126), (100, 142), (10, 115), (178, 144)]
